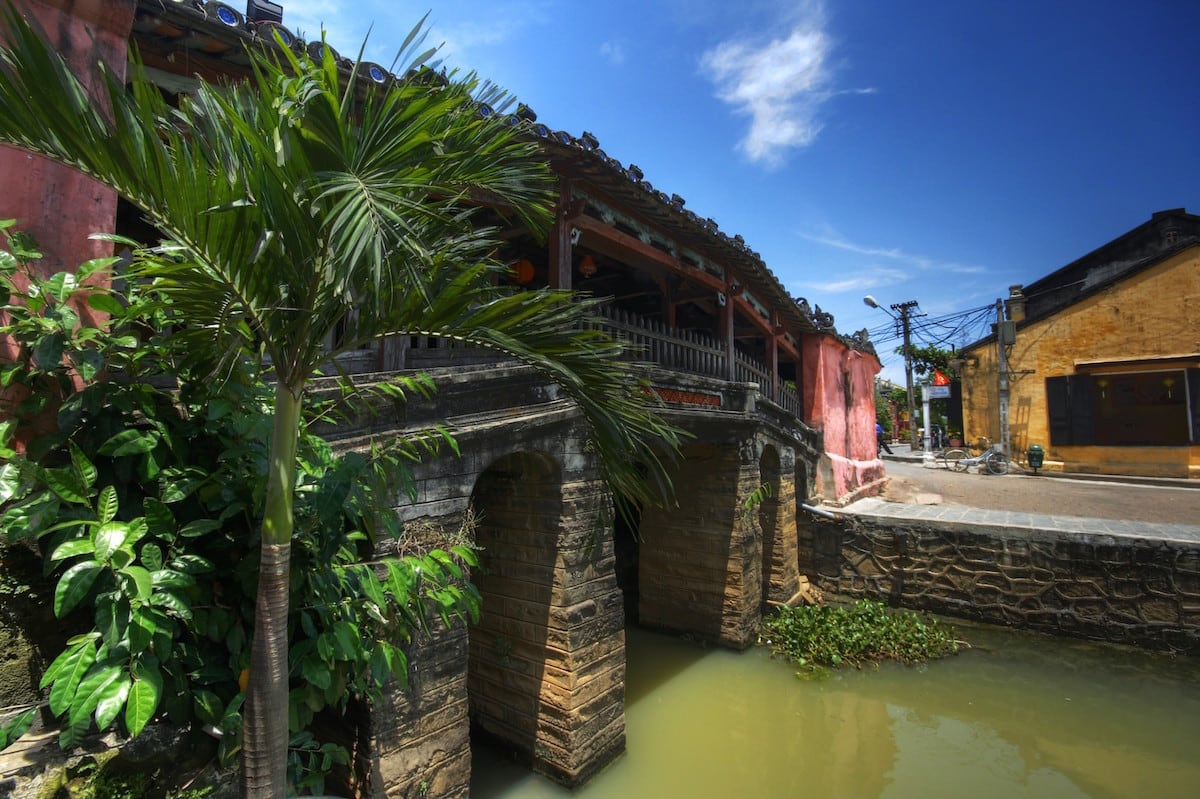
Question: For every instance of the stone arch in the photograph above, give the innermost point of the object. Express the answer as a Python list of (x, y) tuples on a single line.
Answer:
[(546, 663), (517, 504), (700, 562)]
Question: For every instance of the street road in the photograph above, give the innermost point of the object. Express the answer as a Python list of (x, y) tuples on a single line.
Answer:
[(1063, 496)]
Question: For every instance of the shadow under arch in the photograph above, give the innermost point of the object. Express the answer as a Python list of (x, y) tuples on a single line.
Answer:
[(517, 504), (779, 581)]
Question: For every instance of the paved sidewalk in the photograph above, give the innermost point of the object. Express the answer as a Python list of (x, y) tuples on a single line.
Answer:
[(904, 453), (1021, 524), (1018, 523)]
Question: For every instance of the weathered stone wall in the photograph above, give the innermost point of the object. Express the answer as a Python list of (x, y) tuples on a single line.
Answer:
[(1098, 586), (420, 735)]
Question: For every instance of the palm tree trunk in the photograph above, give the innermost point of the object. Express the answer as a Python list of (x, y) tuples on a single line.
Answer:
[(265, 725)]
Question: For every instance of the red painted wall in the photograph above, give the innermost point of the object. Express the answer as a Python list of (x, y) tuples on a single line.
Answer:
[(839, 401), (56, 204)]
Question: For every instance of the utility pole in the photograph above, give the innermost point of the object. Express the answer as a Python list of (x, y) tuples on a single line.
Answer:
[(1005, 334), (904, 309), (904, 320)]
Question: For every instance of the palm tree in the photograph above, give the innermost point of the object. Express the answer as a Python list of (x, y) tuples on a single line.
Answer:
[(301, 202)]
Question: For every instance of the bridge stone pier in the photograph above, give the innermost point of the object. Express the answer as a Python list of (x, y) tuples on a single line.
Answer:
[(542, 673)]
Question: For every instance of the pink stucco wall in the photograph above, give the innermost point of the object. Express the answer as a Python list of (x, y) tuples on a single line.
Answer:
[(839, 401)]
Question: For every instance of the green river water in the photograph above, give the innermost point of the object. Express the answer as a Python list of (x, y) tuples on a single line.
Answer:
[(1017, 716)]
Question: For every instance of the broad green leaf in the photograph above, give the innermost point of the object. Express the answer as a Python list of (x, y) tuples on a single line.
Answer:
[(141, 630), (74, 585), (130, 442), (75, 664), (316, 673), (122, 557), (199, 527), (159, 517), (64, 482), (15, 727), (192, 564), (170, 578), (466, 555), (60, 285), (30, 516), (112, 617), (325, 647), (10, 481), (347, 640), (108, 538), (72, 734), (107, 504), (144, 696), (69, 549), (170, 601), (106, 303), (48, 353), (68, 655), (84, 469), (140, 578), (137, 531), (179, 488), (441, 557), (88, 363), (112, 700), (93, 688), (209, 708), (152, 557)]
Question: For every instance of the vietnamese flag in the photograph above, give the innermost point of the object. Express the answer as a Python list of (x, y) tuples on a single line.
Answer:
[(940, 379)]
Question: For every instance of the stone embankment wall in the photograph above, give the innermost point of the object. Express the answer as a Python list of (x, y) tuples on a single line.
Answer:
[(1099, 586)]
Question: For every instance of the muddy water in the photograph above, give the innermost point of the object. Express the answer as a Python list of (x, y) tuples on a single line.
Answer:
[(1018, 716)]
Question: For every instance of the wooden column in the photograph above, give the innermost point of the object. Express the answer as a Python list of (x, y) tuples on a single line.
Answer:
[(561, 250), (773, 353), (727, 327)]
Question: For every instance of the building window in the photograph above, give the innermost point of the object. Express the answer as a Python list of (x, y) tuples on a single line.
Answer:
[(1126, 409)]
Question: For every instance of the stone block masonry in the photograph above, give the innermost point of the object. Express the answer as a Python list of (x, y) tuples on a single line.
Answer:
[(1088, 578)]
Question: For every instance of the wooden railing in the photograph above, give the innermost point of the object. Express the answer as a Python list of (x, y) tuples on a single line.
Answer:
[(650, 340), (693, 352)]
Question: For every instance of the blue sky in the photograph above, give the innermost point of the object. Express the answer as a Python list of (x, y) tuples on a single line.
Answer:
[(932, 150)]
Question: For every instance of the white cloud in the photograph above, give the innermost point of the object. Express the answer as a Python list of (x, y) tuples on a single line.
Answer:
[(781, 85), (866, 280), (613, 52), (917, 261)]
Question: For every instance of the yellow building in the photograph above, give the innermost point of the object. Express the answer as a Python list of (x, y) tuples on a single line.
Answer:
[(1103, 358)]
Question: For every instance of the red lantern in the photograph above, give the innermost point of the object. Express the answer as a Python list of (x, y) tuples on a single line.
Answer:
[(523, 271)]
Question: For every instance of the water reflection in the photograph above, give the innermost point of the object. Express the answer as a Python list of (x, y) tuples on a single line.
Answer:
[(1021, 716)]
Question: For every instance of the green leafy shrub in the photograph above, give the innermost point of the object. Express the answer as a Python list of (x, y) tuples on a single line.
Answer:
[(146, 500), (822, 636)]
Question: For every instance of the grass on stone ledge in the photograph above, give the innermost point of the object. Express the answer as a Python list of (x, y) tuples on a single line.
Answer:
[(824, 636)]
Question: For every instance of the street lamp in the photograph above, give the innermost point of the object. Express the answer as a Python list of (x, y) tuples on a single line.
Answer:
[(904, 309)]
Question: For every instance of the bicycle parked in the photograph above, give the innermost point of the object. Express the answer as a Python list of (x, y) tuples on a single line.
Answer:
[(992, 459)]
